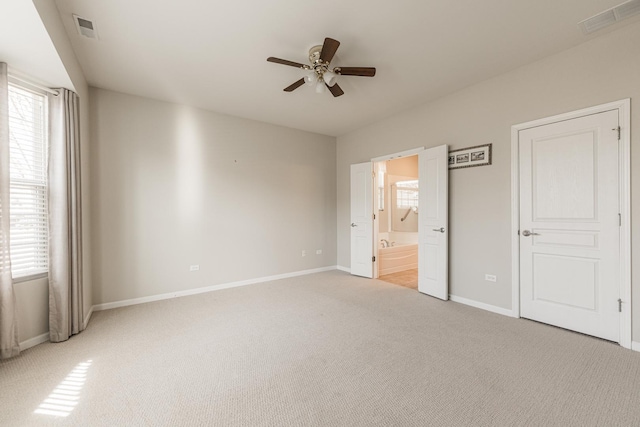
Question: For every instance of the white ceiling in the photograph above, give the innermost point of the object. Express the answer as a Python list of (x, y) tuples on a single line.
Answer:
[(25, 45), (212, 54)]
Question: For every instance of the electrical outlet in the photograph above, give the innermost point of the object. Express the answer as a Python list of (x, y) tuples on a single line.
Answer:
[(195, 267), (304, 253), (490, 278), (319, 252)]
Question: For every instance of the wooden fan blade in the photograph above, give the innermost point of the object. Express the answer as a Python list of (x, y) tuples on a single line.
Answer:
[(285, 62), (335, 90), (294, 86), (356, 71), (329, 49)]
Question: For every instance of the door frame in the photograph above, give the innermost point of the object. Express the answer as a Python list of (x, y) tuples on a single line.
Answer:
[(376, 224), (624, 169)]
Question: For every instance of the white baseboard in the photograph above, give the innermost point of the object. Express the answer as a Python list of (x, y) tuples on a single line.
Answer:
[(170, 295), (32, 342), (483, 306), (88, 316), (345, 269), (635, 345)]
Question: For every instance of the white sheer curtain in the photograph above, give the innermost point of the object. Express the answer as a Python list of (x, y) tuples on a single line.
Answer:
[(65, 218), (9, 346)]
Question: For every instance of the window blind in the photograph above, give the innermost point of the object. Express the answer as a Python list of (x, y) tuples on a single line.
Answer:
[(28, 182)]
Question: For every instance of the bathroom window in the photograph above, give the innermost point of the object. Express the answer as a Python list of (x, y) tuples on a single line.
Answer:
[(382, 171), (407, 194)]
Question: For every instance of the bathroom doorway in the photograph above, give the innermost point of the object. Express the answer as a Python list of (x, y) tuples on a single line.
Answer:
[(397, 206), (432, 221)]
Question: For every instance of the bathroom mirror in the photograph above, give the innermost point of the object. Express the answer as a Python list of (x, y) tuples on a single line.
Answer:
[(404, 205)]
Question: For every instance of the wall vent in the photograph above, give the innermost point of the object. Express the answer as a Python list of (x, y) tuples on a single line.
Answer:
[(85, 27), (610, 16)]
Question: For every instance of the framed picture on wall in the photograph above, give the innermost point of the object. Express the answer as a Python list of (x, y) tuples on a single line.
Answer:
[(479, 155)]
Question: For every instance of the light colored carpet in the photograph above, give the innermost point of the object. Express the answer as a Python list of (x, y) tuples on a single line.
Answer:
[(324, 349)]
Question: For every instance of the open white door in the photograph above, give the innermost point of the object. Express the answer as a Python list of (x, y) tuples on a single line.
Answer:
[(362, 219), (433, 233)]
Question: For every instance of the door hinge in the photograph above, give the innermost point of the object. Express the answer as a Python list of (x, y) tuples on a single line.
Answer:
[(619, 131), (373, 259), (619, 220), (374, 216), (518, 232), (619, 305)]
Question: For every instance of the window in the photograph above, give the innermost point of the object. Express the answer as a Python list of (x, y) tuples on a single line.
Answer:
[(382, 171), (407, 194), (28, 184), (381, 198)]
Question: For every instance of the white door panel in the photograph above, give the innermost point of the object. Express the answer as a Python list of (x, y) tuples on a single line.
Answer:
[(433, 172), (362, 219), (569, 264)]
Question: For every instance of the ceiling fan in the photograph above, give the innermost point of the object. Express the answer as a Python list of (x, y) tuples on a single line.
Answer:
[(319, 74)]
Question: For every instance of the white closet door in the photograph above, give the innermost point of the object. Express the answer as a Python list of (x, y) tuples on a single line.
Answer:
[(569, 224)]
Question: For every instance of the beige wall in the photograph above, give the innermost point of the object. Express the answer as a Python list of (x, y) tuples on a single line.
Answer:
[(604, 69), (174, 186), (32, 297), (32, 304), (405, 166)]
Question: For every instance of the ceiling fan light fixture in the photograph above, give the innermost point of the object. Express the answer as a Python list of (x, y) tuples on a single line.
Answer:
[(320, 86), (329, 77), (311, 78)]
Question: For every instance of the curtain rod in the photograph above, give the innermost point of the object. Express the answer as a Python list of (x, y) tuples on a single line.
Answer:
[(29, 82)]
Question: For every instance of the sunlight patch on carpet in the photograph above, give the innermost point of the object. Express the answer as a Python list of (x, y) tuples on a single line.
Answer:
[(64, 398)]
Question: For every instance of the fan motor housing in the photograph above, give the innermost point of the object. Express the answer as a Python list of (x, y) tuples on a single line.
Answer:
[(317, 65), (314, 54)]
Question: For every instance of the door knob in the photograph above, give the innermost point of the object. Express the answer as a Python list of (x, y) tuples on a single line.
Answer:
[(441, 229), (353, 224), (527, 233)]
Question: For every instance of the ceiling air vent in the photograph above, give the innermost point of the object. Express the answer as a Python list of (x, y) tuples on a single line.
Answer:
[(625, 10), (610, 16), (85, 27)]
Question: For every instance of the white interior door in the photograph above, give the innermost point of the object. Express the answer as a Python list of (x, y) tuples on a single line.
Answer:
[(433, 247), (569, 224), (362, 219)]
